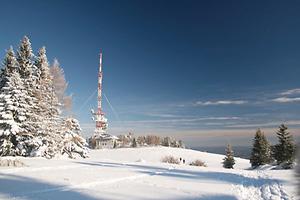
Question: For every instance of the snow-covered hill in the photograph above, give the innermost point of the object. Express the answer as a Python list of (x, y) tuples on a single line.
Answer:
[(139, 174)]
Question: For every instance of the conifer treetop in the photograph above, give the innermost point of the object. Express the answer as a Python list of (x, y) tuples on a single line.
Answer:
[(25, 50), (42, 64), (10, 62), (24, 58)]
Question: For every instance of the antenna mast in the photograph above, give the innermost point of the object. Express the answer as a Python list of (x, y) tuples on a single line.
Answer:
[(101, 121), (100, 85)]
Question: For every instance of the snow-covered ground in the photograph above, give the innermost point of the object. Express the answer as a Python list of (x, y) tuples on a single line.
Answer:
[(139, 174)]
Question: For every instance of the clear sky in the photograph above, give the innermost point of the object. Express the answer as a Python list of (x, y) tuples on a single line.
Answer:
[(209, 72)]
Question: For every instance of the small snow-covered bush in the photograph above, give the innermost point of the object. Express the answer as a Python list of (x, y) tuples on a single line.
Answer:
[(228, 161), (11, 163), (170, 159), (198, 163)]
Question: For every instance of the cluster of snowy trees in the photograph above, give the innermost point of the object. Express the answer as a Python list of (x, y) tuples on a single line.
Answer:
[(282, 153), (129, 140), (33, 107)]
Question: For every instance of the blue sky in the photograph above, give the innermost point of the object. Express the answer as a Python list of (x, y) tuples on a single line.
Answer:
[(208, 72)]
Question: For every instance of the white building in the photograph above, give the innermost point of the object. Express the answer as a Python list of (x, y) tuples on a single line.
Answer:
[(105, 141)]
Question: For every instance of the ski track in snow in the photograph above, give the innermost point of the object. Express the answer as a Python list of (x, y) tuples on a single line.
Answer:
[(36, 169), (85, 185), (268, 191)]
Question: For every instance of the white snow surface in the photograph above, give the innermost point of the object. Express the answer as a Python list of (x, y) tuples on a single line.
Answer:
[(137, 173)]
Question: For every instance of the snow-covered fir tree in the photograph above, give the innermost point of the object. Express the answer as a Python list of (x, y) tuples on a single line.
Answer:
[(27, 71), (166, 141), (47, 108), (25, 59), (10, 65), (261, 151), (73, 143), (31, 123), (15, 131), (228, 161), (284, 151)]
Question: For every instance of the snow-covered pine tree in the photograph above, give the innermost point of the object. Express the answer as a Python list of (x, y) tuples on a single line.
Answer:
[(47, 108), (30, 119), (166, 141), (228, 161), (261, 151), (73, 143), (25, 59), (27, 71), (284, 151), (10, 64), (15, 131)]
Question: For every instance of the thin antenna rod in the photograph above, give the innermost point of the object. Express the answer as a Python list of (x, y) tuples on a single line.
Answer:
[(100, 84)]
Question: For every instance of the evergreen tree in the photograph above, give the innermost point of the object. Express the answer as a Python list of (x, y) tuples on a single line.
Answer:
[(166, 141), (10, 64), (28, 74), (284, 151), (15, 131), (48, 100), (47, 108), (30, 118), (25, 59), (261, 151), (73, 143), (134, 143), (228, 161)]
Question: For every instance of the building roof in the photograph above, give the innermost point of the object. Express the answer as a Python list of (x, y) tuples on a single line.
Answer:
[(106, 136)]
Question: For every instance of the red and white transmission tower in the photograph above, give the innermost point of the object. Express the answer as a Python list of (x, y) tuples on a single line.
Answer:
[(101, 121)]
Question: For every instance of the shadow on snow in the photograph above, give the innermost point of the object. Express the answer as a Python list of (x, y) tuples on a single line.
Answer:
[(13, 186), (19, 187), (188, 174)]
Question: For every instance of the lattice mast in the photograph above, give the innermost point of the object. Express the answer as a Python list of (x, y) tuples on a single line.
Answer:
[(101, 121)]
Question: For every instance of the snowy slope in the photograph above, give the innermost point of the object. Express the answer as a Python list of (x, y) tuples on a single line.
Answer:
[(139, 174)]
